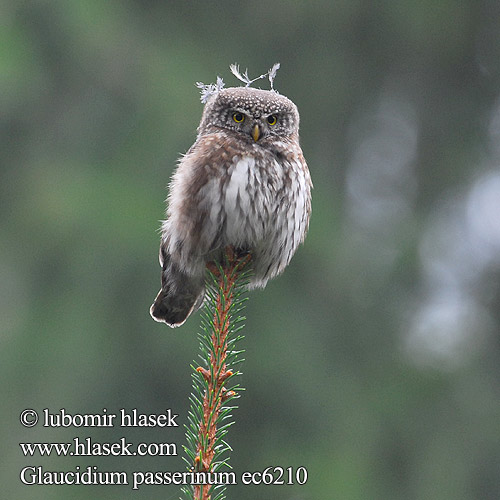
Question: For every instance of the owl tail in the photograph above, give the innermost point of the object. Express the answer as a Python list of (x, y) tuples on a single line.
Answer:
[(179, 296)]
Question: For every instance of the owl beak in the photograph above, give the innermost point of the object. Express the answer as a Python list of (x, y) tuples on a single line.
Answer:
[(255, 132)]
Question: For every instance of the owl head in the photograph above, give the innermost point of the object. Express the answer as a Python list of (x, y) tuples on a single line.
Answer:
[(254, 114)]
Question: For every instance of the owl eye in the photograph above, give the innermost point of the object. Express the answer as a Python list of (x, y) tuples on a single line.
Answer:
[(238, 117), (272, 119)]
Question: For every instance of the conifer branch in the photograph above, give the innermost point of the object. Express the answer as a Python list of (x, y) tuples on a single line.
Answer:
[(208, 418)]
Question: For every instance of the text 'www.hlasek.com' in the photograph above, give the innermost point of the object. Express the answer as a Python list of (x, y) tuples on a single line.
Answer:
[(86, 446)]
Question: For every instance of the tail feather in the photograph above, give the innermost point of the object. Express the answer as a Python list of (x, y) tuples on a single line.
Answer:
[(179, 296)]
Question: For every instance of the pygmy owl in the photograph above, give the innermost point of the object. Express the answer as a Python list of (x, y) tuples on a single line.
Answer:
[(244, 183)]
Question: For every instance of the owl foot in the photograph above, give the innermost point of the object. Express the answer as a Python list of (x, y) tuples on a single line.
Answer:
[(234, 258)]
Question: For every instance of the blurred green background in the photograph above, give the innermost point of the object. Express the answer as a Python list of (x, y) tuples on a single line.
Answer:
[(374, 361)]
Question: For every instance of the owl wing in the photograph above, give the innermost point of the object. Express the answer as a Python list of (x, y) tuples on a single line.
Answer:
[(196, 213), (192, 230)]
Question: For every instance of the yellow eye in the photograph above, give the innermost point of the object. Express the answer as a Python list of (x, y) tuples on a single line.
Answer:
[(238, 117), (272, 119)]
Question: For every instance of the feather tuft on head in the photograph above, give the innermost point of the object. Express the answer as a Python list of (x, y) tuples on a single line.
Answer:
[(208, 90), (213, 88), (271, 74)]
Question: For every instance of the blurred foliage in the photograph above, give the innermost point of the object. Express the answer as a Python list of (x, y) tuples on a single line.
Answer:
[(374, 360)]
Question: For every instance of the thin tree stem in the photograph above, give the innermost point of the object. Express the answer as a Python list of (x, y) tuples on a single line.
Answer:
[(217, 374)]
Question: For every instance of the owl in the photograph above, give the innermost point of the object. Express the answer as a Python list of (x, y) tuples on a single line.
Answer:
[(244, 184)]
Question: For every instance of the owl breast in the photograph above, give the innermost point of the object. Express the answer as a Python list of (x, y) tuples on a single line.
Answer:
[(255, 201), (248, 199), (263, 210)]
